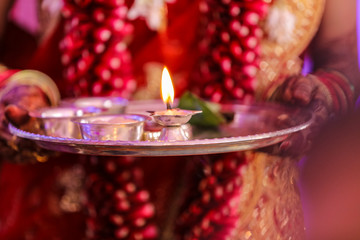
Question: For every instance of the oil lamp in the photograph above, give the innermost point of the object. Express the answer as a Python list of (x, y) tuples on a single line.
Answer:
[(173, 120)]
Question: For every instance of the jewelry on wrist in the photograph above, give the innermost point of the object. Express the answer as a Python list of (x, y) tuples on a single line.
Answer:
[(32, 77), (341, 81), (342, 91), (9, 79)]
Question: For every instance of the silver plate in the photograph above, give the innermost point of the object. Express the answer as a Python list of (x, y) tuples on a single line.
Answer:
[(252, 127)]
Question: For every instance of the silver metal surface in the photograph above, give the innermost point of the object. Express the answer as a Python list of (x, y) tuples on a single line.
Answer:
[(110, 105), (123, 127), (57, 121), (173, 117), (173, 120), (249, 127), (151, 135), (174, 133)]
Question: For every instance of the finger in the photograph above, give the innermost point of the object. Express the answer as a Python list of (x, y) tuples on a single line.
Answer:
[(16, 115), (303, 91), (295, 145), (288, 86)]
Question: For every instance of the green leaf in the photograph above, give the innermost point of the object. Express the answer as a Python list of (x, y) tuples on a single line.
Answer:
[(210, 116)]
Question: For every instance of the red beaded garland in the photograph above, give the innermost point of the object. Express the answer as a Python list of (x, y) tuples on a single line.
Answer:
[(97, 27), (98, 63), (226, 72), (231, 30), (118, 207), (213, 213)]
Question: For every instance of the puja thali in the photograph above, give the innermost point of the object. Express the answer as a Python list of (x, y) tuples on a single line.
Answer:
[(248, 127)]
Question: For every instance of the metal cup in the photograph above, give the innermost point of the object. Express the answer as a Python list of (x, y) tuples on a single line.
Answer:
[(122, 127), (57, 121)]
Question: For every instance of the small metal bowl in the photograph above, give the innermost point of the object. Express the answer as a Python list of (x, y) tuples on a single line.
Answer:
[(57, 121), (124, 127), (173, 117), (110, 105), (152, 130)]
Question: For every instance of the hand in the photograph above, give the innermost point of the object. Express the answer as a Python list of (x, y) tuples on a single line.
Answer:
[(15, 106), (303, 91)]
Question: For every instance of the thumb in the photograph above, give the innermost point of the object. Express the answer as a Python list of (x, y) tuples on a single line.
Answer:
[(16, 115)]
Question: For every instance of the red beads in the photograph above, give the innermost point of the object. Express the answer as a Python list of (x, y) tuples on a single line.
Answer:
[(144, 211), (215, 214), (226, 65), (232, 33), (236, 49), (227, 71), (234, 9), (150, 232), (118, 207), (122, 233), (102, 34), (100, 27), (99, 15), (251, 18)]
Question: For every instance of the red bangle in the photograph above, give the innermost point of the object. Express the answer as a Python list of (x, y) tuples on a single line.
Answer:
[(338, 81), (334, 96), (345, 86), (343, 106)]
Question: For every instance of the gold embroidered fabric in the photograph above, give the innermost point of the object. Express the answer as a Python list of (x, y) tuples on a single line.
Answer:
[(281, 58), (270, 206)]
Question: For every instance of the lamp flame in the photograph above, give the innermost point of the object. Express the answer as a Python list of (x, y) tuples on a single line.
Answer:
[(167, 88)]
